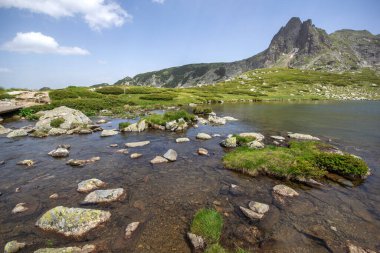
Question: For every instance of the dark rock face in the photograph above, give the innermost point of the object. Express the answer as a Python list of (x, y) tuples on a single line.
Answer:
[(298, 44)]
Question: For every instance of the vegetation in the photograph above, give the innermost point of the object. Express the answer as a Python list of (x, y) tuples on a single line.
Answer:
[(29, 114), (215, 248), (162, 119), (57, 122), (123, 125), (113, 90), (243, 140), (202, 110), (207, 223)]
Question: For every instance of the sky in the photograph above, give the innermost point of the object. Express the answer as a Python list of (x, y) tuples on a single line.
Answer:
[(57, 43)]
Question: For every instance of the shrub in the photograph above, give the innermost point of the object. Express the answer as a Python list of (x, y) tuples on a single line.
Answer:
[(123, 125), (162, 119), (202, 110), (207, 223), (113, 90), (56, 122), (161, 96)]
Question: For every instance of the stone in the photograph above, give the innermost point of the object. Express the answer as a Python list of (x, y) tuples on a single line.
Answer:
[(130, 229), (136, 155), (339, 179), (217, 120), (284, 190), (59, 152), (197, 241), (235, 190), (4, 130), (202, 151), (251, 214), (356, 249), (28, 163), (81, 163), (171, 155), (14, 246), (17, 133), (57, 131), (104, 196), (85, 131), (107, 133), (19, 208), (201, 120), (158, 159), (54, 196), (229, 118), (122, 151), (255, 144), (230, 142), (101, 121), (72, 222), (114, 145), (257, 136), (66, 146), (181, 140), (299, 136), (89, 248), (176, 125), (258, 207), (136, 127), (279, 138), (203, 136), (136, 144), (90, 185)]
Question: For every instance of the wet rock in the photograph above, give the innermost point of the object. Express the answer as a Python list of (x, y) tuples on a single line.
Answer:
[(90, 185), (66, 146), (130, 229), (229, 118), (251, 214), (59, 152), (101, 121), (171, 155), (180, 140), (39, 134), (57, 131), (216, 135), (158, 159), (89, 248), (136, 155), (258, 137), (339, 179), (229, 142), (19, 208), (136, 144), (54, 196), (202, 151), (4, 130), (28, 163), (85, 131), (2, 162), (81, 163), (258, 207), (176, 125), (157, 127), (14, 246), (107, 133), (299, 136), (284, 190), (278, 138), (197, 241), (201, 120), (136, 127), (308, 181), (203, 136), (255, 145), (114, 145), (72, 222), (139, 205), (122, 151), (17, 133), (235, 190), (104, 196), (356, 249), (216, 120)]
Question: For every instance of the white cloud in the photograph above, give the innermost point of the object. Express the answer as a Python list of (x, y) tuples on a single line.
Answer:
[(98, 14), (158, 1), (5, 70), (35, 42)]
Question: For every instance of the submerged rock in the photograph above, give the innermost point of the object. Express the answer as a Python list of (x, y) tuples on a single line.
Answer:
[(202, 151), (203, 136), (284, 190), (251, 214), (197, 241), (14, 246), (229, 118), (122, 151), (258, 137), (230, 142), (90, 185), (171, 155), (136, 155), (20, 208), (158, 159), (89, 248), (81, 163), (104, 196), (114, 145), (28, 163), (299, 136), (72, 222), (107, 133), (136, 144), (17, 133), (356, 249), (59, 152), (130, 229), (180, 140)]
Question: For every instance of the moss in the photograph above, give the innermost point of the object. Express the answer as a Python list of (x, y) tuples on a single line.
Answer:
[(215, 248), (123, 125), (202, 110), (207, 223), (57, 122)]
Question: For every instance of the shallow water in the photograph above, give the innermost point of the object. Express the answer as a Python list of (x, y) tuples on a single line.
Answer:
[(165, 197)]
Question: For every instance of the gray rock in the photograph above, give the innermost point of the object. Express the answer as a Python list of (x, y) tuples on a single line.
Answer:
[(59, 152), (122, 151), (158, 159), (130, 229), (136, 144), (28, 163), (258, 137), (180, 140), (285, 191), (107, 133), (203, 136), (104, 196), (279, 138), (136, 127), (302, 136), (255, 144), (176, 125), (251, 214), (229, 118), (57, 131), (201, 120), (171, 155), (17, 133), (197, 241), (81, 163), (217, 120), (90, 185), (89, 248), (258, 207), (229, 142), (54, 196), (20, 208), (14, 246), (66, 146), (4, 130)]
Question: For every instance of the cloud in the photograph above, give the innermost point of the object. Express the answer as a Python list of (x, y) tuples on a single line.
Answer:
[(158, 1), (35, 42), (98, 14), (5, 70)]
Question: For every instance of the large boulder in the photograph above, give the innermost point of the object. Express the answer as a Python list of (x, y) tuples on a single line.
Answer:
[(72, 119), (104, 196), (72, 222)]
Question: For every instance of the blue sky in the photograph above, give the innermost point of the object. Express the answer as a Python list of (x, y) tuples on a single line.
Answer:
[(72, 42)]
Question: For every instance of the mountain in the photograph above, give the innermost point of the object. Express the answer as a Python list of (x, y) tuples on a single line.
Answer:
[(297, 45)]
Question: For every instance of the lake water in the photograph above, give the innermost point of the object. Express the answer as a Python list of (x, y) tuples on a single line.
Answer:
[(165, 197)]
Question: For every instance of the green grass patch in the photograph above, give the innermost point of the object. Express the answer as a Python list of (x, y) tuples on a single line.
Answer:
[(243, 140), (123, 125), (155, 96), (345, 165), (202, 110), (57, 122), (215, 248), (207, 223), (162, 119), (110, 90)]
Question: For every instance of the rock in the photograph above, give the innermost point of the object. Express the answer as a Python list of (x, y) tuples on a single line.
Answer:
[(302, 136), (59, 152), (158, 159), (230, 142), (4, 130), (72, 222), (201, 120), (258, 207), (19, 208), (136, 155), (284, 190), (85, 131), (138, 204), (101, 121), (251, 214), (229, 118), (136, 144), (216, 120), (197, 241), (54, 196), (17, 133), (356, 249), (171, 155), (2, 162), (255, 144), (235, 190), (257, 136), (104, 196), (176, 125), (136, 127), (66, 146), (90, 185), (28, 163), (157, 127), (339, 179), (180, 140), (81, 163), (202, 151), (279, 138), (89, 248), (114, 145), (130, 229), (216, 135), (122, 151), (107, 133), (203, 136), (39, 134), (14, 246), (57, 131), (193, 105)]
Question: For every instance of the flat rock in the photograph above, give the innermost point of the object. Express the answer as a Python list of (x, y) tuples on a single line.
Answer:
[(130, 229), (251, 214), (104, 196), (284, 190), (19, 208), (28, 163), (4, 130), (158, 159), (54, 196), (72, 222), (356, 249), (180, 140), (217, 120), (85, 249), (258, 207), (17, 133), (90, 185), (279, 138), (122, 151), (171, 155), (57, 131), (81, 163), (14, 246), (136, 144), (299, 136), (197, 241), (59, 152), (107, 133), (203, 136), (202, 151), (114, 145), (136, 155)]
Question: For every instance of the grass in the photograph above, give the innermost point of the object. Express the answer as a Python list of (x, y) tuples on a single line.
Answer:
[(57, 122), (243, 140), (207, 223), (301, 159), (202, 110), (215, 248), (123, 125), (162, 119)]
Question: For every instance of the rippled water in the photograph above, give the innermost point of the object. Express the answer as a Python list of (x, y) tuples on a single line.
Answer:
[(165, 197)]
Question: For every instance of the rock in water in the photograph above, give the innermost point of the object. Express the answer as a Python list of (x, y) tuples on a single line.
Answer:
[(203, 136), (130, 229), (72, 222), (107, 133), (4, 130), (85, 249), (136, 144), (303, 136), (90, 185), (14, 246), (19, 208), (202, 151), (135, 155), (229, 118), (59, 152), (180, 140), (279, 138), (158, 159), (229, 142), (258, 207), (54, 196), (17, 133), (104, 196), (257, 136), (81, 163), (136, 127), (284, 190), (28, 163), (197, 241), (251, 214), (171, 155), (216, 120)]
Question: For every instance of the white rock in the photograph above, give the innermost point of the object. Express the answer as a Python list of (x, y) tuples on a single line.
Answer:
[(136, 155), (180, 140), (104, 196), (136, 144), (251, 214), (217, 120), (229, 118), (106, 133), (131, 228), (90, 185), (285, 191), (158, 159), (28, 163), (197, 241), (136, 127), (59, 152), (258, 207), (279, 138), (303, 136), (19, 208), (257, 136), (171, 155), (17, 133), (203, 136)]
